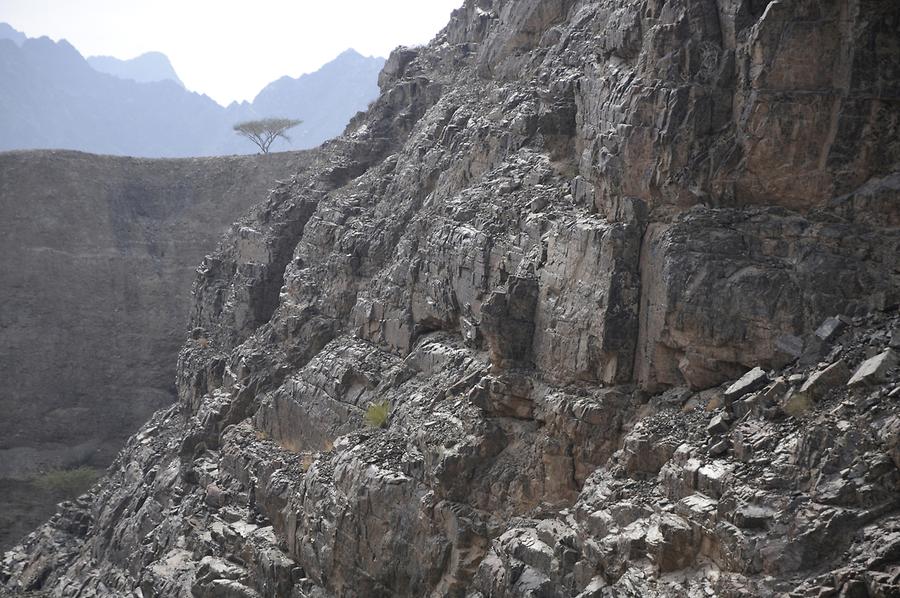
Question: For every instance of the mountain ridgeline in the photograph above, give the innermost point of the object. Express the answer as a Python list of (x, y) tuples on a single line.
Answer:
[(146, 68), (53, 98)]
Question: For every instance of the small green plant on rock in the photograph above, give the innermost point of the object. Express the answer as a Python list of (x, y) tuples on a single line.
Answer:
[(306, 461), (377, 414), (67, 483)]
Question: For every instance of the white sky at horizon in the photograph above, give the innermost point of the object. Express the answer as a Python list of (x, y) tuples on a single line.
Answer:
[(226, 49)]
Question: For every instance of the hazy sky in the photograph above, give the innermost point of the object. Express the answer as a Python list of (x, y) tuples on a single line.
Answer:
[(230, 49)]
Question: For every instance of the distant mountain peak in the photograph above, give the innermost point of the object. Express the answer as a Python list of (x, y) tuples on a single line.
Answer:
[(55, 98), (351, 53), (7, 32), (149, 67)]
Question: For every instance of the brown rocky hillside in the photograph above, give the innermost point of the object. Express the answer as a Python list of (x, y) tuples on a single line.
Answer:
[(97, 256), (626, 273)]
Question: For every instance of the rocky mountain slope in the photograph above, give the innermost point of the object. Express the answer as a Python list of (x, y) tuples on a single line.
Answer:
[(625, 273), (97, 256)]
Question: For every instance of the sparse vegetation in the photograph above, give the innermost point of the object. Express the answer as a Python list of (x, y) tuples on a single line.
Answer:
[(67, 483), (264, 132), (377, 414), (306, 461)]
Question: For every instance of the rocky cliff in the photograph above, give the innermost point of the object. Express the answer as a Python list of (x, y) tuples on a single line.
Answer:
[(97, 256), (624, 275)]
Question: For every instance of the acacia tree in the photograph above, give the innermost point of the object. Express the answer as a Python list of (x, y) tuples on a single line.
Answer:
[(263, 132)]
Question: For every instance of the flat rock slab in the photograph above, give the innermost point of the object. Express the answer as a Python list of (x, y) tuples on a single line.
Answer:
[(875, 369), (819, 383), (830, 329), (749, 382)]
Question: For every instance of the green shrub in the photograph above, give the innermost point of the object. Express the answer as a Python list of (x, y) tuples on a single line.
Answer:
[(377, 414), (67, 483)]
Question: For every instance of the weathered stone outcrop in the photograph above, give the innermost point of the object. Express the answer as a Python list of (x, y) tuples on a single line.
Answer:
[(553, 247), (725, 290), (97, 256)]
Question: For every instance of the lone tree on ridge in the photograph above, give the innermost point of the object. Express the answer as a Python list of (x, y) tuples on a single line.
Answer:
[(263, 132)]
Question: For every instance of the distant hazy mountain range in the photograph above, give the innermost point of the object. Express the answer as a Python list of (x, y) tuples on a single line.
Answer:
[(146, 68), (7, 32), (52, 97)]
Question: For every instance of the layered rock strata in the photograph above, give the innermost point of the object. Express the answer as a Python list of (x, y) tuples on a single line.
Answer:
[(554, 246), (97, 256)]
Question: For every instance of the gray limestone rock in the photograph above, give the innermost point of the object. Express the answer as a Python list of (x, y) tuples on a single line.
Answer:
[(749, 382), (830, 328), (821, 381), (554, 213), (874, 369), (718, 425)]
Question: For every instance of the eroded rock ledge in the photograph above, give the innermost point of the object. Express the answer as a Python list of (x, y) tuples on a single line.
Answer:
[(613, 266)]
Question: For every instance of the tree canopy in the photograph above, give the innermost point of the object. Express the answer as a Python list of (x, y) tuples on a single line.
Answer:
[(265, 131)]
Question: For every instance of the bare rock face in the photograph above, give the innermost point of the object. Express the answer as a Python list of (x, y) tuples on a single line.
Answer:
[(723, 288), (97, 256), (484, 344), (507, 322)]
